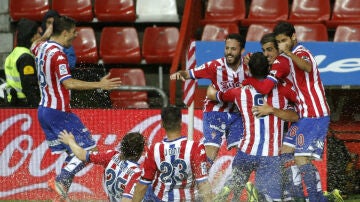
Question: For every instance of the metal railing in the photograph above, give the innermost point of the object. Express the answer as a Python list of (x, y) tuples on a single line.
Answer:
[(165, 100)]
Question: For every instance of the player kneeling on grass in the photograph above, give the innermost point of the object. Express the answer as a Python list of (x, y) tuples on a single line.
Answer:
[(120, 166)]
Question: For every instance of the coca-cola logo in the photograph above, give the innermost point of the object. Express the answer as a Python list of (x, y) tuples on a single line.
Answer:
[(26, 162)]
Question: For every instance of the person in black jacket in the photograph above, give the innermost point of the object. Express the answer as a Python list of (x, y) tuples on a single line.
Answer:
[(22, 89)]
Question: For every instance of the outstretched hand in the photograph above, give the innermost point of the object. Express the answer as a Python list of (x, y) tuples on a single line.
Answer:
[(177, 76), (108, 83)]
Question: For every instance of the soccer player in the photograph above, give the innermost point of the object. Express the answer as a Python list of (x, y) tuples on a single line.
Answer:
[(259, 149), (121, 168), (220, 119), (54, 112), (306, 137), (175, 167)]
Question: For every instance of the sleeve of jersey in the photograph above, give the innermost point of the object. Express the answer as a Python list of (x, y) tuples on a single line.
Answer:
[(149, 167), (227, 96), (60, 66), (198, 162), (262, 86), (100, 158), (289, 93), (203, 71), (130, 187)]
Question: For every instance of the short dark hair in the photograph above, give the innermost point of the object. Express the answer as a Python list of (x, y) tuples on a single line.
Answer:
[(132, 145), (284, 27), (238, 38), (269, 37), (171, 118), (26, 29), (259, 65), (62, 23)]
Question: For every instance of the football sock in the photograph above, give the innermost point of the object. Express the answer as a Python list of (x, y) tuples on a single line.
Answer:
[(312, 182), (73, 166)]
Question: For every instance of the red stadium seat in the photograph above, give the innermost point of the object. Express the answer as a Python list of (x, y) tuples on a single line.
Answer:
[(347, 33), (129, 99), (115, 11), (120, 45), (256, 31), (345, 12), (309, 11), (218, 32), (225, 11), (80, 10), (311, 32), (30, 9), (85, 45), (159, 44), (156, 11), (265, 11)]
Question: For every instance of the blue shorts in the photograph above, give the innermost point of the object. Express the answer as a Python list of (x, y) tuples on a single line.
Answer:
[(53, 121), (267, 172), (219, 124), (307, 136)]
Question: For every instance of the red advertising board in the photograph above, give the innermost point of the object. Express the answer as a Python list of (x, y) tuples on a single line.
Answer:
[(26, 163)]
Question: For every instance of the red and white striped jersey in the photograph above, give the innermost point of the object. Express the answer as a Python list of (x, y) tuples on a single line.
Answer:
[(262, 136), (173, 167), (309, 87), (52, 68), (222, 78), (120, 176)]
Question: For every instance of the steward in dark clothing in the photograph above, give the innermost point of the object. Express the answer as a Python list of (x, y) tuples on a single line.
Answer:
[(22, 88)]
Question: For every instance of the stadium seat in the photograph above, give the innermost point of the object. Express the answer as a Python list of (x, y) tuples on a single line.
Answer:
[(265, 11), (115, 11), (85, 45), (218, 32), (30, 9), (256, 31), (159, 44), (311, 32), (224, 11), (309, 11), (345, 12), (80, 10), (156, 11), (129, 99), (347, 33), (120, 45)]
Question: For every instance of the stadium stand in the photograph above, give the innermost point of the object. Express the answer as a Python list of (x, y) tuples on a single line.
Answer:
[(85, 45), (31, 9), (256, 31), (115, 11), (80, 10), (218, 32), (345, 12), (156, 11), (120, 45), (311, 32), (129, 99), (264, 11), (224, 11), (309, 11), (347, 33)]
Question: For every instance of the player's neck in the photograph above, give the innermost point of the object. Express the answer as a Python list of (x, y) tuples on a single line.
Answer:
[(172, 135)]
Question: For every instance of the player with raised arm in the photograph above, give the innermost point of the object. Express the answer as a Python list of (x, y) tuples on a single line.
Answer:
[(122, 170), (54, 112), (175, 167), (221, 119), (306, 137), (259, 149)]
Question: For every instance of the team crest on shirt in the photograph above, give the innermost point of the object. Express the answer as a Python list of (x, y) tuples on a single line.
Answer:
[(62, 69)]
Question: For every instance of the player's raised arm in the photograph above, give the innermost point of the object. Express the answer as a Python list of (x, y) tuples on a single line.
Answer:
[(105, 83)]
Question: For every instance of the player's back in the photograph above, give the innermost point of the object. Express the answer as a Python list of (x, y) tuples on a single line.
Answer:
[(180, 163)]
